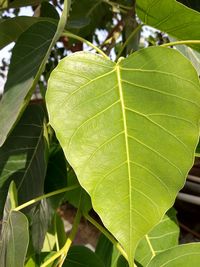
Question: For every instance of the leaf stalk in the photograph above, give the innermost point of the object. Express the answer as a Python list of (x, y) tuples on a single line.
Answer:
[(32, 201), (134, 32), (76, 37), (183, 42), (107, 234), (64, 250)]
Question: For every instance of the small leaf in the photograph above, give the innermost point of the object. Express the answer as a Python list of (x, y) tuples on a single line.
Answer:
[(171, 17), (187, 255), (14, 240), (117, 123), (162, 237), (82, 256)]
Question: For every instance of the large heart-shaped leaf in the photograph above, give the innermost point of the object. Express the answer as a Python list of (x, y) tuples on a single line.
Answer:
[(187, 255), (171, 17), (129, 130)]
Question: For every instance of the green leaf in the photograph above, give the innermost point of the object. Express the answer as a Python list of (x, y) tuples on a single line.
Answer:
[(37, 260), (56, 176), (82, 256), (12, 28), (26, 67), (22, 157), (192, 55), (48, 10), (4, 4), (163, 236), (74, 196), (15, 239), (187, 255), (171, 17), (104, 250), (88, 15), (27, 56), (117, 124), (41, 217)]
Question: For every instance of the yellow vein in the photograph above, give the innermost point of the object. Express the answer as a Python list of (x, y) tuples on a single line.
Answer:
[(127, 148), (150, 246)]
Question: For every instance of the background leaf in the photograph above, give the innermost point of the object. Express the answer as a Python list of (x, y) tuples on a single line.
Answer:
[(14, 236), (162, 237), (117, 134), (192, 55), (27, 56), (187, 255), (82, 256), (12, 28), (22, 157), (17, 3), (171, 17), (104, 250)]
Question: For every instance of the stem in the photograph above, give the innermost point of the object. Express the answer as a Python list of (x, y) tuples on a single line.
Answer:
[(184, 42), (64, 250), (32, 201), (107, 234), (113, 4), (74, 36), (129, 39)]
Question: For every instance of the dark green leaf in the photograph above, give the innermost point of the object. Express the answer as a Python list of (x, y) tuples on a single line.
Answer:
[(122, 262), (22, 157), (17, 3), (27, 56), (92, 13), (110, 121), (48, 10), (104, 250), (82, 256), (11, 29), (73, 196), (187, 255), (171, 17), (41, 216), (56, 176)]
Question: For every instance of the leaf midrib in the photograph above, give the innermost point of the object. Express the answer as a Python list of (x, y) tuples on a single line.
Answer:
[(127, 151)]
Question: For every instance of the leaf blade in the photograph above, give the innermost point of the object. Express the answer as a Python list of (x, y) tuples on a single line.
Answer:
[(183, 255), (94, 96), (171, 17)]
